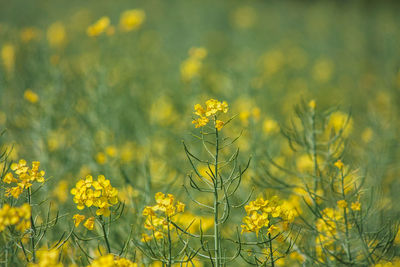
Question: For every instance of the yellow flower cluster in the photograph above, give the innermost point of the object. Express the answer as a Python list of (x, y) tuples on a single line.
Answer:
[(47, 258), (131, 19), (211, 110), (99, 194), (110, 260), (191, 67), (158, 223), (18, 216), (89, 223), (24, 178), (31, 96), (261, 213), (98, 27)]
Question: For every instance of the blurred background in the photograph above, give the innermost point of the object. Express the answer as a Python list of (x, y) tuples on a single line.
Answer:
[(108, 87)]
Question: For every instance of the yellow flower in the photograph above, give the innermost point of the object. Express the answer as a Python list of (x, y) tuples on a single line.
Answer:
[(111, 260), (219, 124), (270, 126), (180, 207), (356, 206), (9, 178), (28, 34), (56, 34), (342, 204), (98, 27), (200, 122), (159, 216), (78, 219), (213, 106), (47, 258), (132, 19), (31, 96), (18, 216), (89, 224), (339, 164), (101, 158), (312, 104), (25, 177), (191, 67), (99, 194), (8, 57), (111, 151), (260, 211)]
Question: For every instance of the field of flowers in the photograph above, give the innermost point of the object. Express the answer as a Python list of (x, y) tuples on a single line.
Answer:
[(199, 133)]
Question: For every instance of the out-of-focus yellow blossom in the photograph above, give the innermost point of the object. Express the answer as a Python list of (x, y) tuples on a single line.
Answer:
[(101, 158), (47, 258), (244, 17), (190, 68), (17, 216), (111, 151), (366, 135), (28, 34), (309, 196), (111, 260), (162, 111), (270, 126), (272, 62), (312, 104), (8, 57), (61, 191), (356, 206), (127, 151), (158, 217), (131, 19), (78, 218), (56, 34), (89, 223), (56, 139), (25, 177), (323, 70), (127, 194), (31, 96), (198, 52), (342, 204), (266, 213), (328, 226), (195, 221), (393, 263), (305, 163), (212, 108), (339, 121), (98, 27), (99, 194)]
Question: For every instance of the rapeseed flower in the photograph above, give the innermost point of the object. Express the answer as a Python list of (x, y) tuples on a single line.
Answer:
[(132, 19), (211, 109)]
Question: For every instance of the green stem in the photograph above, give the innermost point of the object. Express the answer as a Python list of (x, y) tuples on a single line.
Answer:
[(216, 204), (103, 226), (169, 244), (271, 252), (314, 151), (33, 229)]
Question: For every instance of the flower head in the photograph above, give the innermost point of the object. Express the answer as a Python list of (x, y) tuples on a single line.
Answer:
[(211, 109)]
